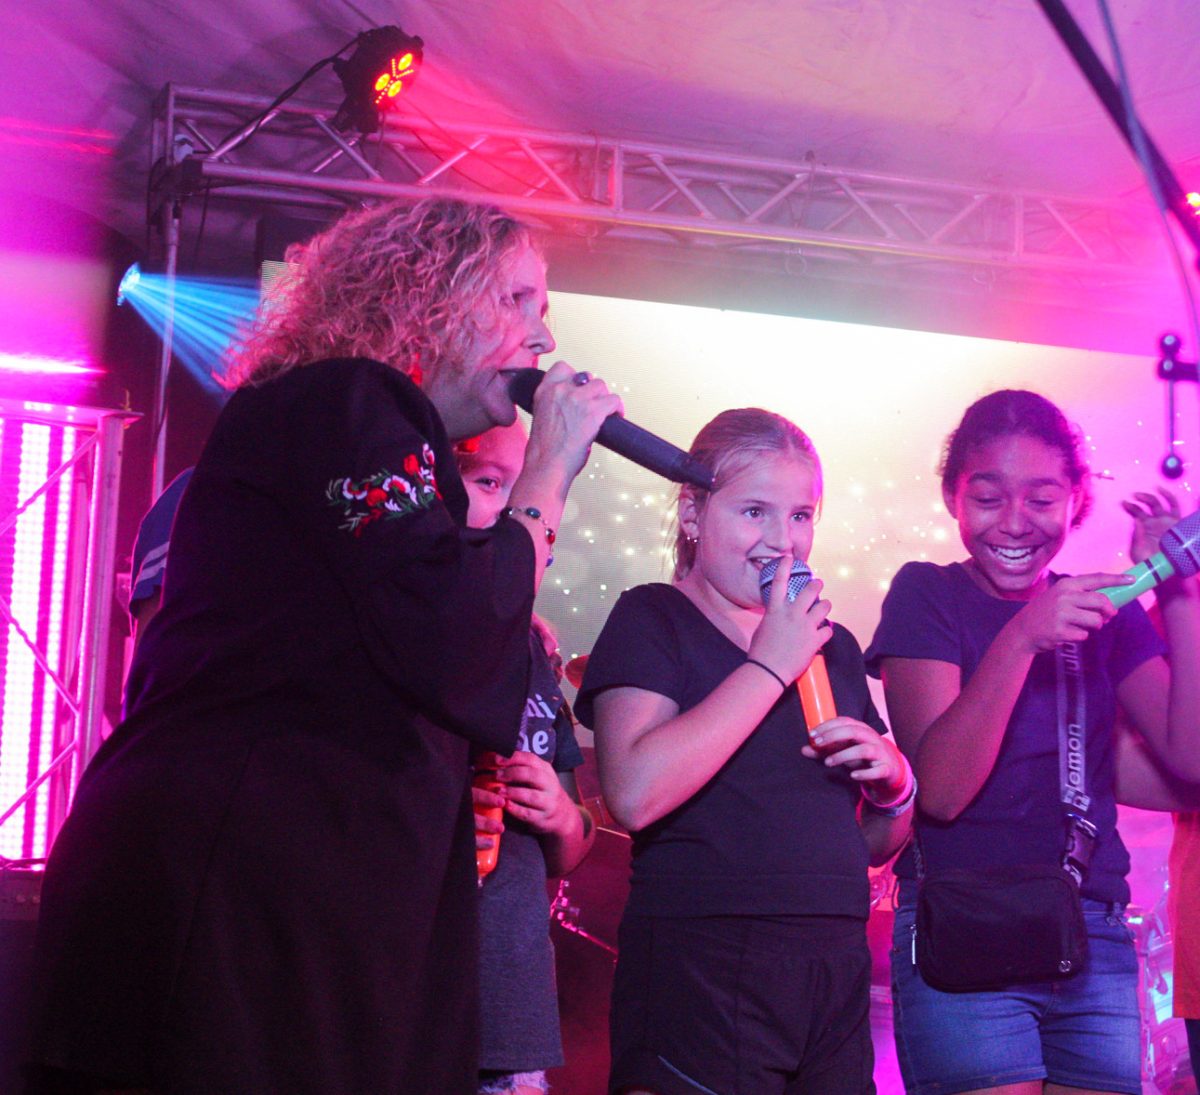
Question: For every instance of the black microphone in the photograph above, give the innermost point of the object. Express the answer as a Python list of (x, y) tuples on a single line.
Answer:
[(622, 437)]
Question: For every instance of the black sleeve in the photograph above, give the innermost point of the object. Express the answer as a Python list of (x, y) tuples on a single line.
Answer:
[(358, 456), (1136, 641), (917, 619), (637, 648)]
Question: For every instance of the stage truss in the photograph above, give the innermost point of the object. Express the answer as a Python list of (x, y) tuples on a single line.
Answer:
[(56, 631), (711, 202)]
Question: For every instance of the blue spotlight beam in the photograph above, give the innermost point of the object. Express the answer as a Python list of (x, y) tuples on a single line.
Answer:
[(209, 314)]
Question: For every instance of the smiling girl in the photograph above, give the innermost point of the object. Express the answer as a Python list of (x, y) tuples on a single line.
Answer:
[(967, 657), (743, 959)]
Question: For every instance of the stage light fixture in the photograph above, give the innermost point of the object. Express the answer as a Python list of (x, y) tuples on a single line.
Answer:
[(1193, 199), (384, 64), (128, 283)]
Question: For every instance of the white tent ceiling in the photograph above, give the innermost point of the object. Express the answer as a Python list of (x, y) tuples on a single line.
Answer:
[(975, 91), (979, 91)]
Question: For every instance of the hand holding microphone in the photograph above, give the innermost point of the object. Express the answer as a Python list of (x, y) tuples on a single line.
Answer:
[(619, 434), (568, 409), (1179, 550), (816, 695), (571, 407), (1070, 610), (887, 779)]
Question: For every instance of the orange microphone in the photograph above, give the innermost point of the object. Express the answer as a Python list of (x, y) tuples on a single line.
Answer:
[(485, 778), (816, 696)]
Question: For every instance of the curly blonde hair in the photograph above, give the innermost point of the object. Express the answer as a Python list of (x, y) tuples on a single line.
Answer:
[(408, 286)]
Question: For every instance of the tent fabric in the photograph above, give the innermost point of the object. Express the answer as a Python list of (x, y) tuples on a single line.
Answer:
[(966, 90)]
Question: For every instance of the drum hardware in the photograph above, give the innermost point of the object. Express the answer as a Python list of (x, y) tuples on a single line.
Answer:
[(879, 929), (584, 913), (561, 908), (602, 816), (567, 915), (575, 668), (1165, 1060), (882, 884)]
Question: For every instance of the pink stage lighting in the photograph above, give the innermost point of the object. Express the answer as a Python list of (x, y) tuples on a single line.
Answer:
[(35, 562), (33, 365)]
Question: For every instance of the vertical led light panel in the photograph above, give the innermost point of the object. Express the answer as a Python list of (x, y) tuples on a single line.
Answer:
[(34, 568)]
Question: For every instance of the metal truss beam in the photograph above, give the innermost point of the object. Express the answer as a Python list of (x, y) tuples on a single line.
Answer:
[(79, 678), (594, 186)]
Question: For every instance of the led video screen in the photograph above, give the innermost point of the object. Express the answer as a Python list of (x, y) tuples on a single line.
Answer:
[(878, 404)]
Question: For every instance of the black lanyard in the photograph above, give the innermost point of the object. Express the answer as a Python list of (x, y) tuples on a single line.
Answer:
[(1072, 759)]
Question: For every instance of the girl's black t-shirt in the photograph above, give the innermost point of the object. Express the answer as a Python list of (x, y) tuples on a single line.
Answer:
[(773, 833)]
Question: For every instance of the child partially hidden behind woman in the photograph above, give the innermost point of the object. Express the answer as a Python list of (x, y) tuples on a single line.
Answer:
[(543, 831)]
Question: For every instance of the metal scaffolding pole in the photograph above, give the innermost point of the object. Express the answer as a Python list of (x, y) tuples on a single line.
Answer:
[(99, 582), (171, 215)]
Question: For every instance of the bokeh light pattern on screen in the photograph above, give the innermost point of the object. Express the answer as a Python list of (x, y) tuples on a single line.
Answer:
[(877, 403)]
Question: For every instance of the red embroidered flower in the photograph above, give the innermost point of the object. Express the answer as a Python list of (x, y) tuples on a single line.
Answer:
[(384, 495)]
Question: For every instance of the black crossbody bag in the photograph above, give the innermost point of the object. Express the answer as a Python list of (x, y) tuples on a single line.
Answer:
[(980, 930)]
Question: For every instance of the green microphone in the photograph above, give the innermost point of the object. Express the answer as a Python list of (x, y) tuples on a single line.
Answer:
[(1179, 553)]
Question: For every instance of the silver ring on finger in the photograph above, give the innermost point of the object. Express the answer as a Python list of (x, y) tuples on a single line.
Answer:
[(580, 379)]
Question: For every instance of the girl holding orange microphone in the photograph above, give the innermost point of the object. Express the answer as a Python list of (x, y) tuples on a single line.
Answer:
[(743, 962)]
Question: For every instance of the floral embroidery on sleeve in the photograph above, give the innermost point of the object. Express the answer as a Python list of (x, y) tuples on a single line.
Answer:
[(386, 495)]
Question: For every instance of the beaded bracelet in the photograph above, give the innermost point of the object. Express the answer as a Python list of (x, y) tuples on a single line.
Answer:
[(536, 514)]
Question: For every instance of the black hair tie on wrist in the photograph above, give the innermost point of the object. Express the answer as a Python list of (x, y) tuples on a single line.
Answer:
[(768, 669)]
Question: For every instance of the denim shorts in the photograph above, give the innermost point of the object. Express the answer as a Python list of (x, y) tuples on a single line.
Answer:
[(1082, 1032)]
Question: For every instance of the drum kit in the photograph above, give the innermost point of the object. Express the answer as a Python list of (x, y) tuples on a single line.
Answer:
[(585, 911)]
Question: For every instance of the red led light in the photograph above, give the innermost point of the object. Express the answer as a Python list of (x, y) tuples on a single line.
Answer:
[(383, 67), (391, 83)]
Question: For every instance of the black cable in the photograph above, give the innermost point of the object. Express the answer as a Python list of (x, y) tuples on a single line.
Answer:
[(254, 122), (1142, 152), (157, 170), (200, 230), (1095, 72)]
